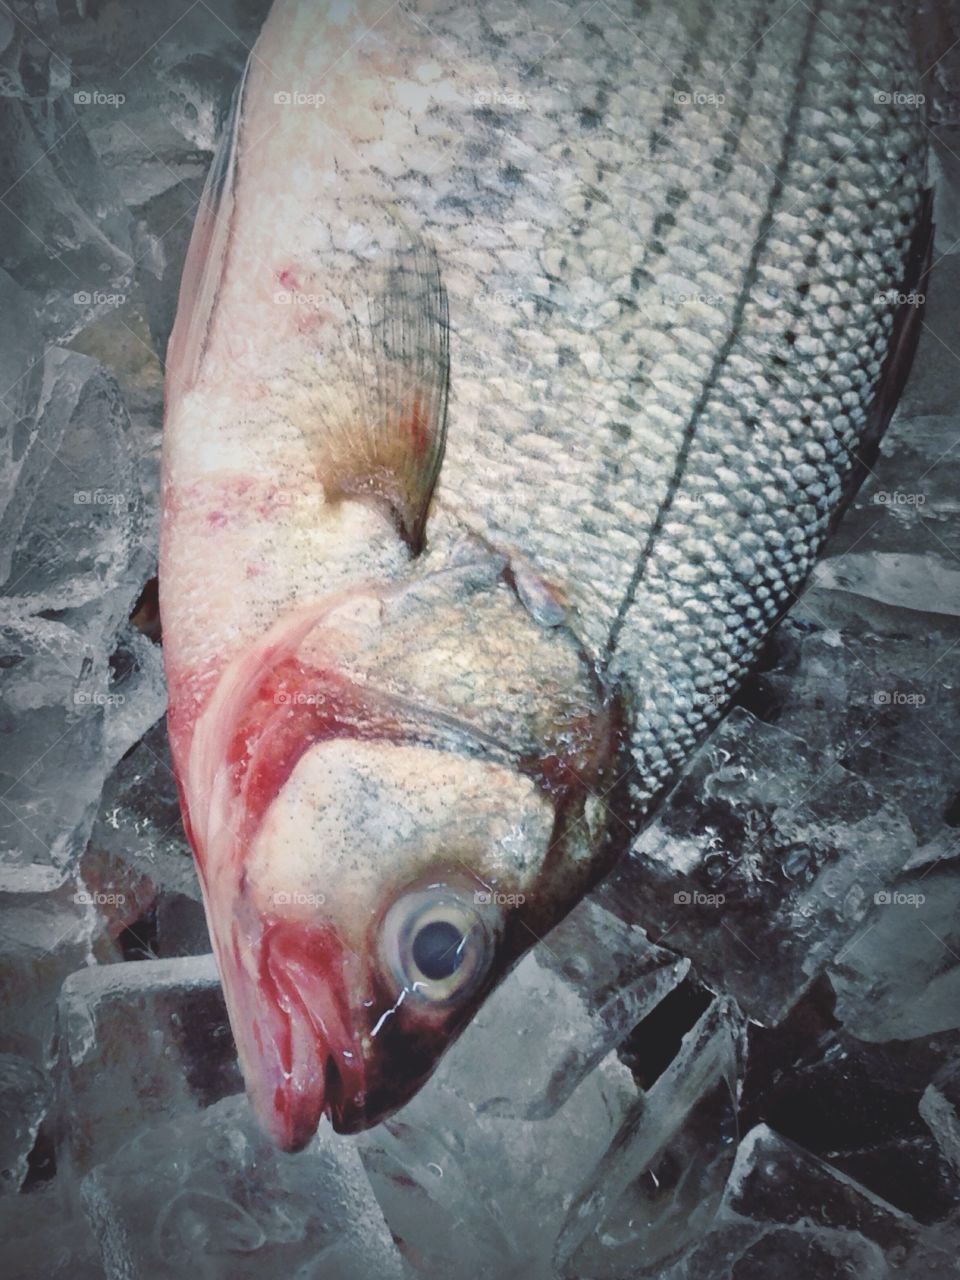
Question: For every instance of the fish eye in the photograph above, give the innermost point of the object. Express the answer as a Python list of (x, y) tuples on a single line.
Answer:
[(436, 944)]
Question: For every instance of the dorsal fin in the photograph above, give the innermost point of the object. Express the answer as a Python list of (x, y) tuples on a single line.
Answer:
[(394, 449)]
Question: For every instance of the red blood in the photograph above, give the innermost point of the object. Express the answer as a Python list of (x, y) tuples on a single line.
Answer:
[(289, 281), (301, 987), (290, 709)]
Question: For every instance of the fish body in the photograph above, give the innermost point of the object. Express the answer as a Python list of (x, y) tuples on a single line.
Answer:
[(524, 357)]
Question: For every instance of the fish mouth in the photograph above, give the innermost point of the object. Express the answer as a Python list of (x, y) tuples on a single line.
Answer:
[(303, 1059)]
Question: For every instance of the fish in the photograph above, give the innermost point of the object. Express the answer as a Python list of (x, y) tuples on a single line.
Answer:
[(525, 357)]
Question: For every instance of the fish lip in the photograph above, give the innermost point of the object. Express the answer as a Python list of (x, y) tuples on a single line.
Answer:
[(297, 1078)]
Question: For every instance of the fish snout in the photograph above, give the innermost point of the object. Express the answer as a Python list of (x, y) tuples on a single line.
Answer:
[(300, 1052)]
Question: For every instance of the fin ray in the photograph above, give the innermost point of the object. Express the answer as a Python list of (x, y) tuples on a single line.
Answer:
[(401, 358)]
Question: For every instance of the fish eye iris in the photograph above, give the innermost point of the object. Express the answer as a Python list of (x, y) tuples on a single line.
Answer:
[(437, 949), (436, 945)]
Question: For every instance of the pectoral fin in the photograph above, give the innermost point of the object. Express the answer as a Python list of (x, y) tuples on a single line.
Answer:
[(393, 448)]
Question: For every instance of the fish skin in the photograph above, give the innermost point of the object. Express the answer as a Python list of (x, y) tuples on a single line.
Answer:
[(667, 321)]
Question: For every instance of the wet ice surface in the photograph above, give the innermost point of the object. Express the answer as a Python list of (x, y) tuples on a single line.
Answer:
[(738, 1058)]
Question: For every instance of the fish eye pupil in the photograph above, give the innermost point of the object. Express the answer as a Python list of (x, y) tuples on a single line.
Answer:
[(436, 949)]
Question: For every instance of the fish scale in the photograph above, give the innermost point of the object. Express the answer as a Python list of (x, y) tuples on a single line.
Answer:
[(786, 200), (524, 359)]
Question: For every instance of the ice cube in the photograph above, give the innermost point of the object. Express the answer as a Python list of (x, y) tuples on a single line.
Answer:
[(137, 696), (899, 977), (485, 1195), (199, 89), (43, 1239), (65, 233), (208, 1194), (164, 224), (173, 1168), (176, 78), (45, 936), (761, 863), (940, 1108), (853, 1103), (885, 705), (569, 1002), (657, 1187), (140, 1042), (20, 376), (138, 829), (53, 705), (29, 68), (119, 864), (76, 518), (782, 1208), (24, 1098)]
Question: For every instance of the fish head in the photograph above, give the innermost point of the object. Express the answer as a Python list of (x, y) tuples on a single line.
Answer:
[(410, 821), (373, 958)]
